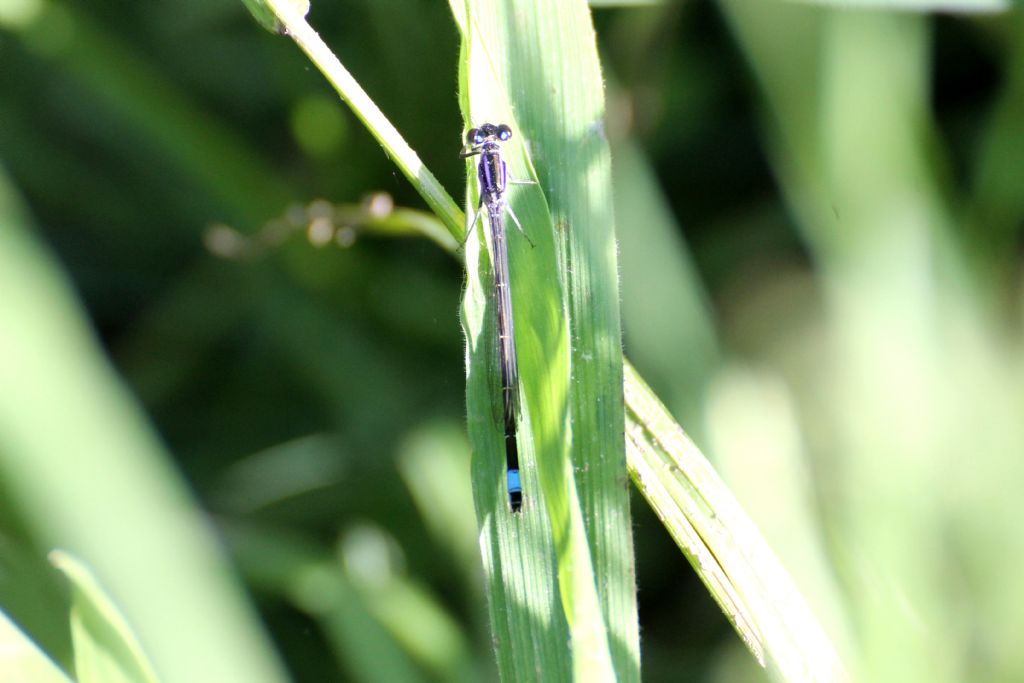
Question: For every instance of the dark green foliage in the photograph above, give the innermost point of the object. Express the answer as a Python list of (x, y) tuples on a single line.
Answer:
[(258, 348)]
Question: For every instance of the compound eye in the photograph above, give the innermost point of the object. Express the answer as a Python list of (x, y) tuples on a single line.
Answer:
[(475, 136), (504, 133)]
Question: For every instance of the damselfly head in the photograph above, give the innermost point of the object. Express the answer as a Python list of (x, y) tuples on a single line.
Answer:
[(488, 131)]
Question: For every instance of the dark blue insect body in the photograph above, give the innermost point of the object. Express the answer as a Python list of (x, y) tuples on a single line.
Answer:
[(493, 178)]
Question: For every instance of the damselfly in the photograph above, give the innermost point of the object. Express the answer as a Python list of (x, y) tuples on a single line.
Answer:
[(493, 178)]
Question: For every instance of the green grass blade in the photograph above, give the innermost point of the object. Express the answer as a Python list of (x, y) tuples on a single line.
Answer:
[(564, 288), (106, 649), (723, 545), (91, 476), (519, 562), (21, 660)]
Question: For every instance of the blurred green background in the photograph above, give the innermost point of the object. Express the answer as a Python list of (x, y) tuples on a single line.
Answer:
[(819, 215)]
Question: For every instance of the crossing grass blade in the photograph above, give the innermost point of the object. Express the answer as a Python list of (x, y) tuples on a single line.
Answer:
[(724, 546)]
